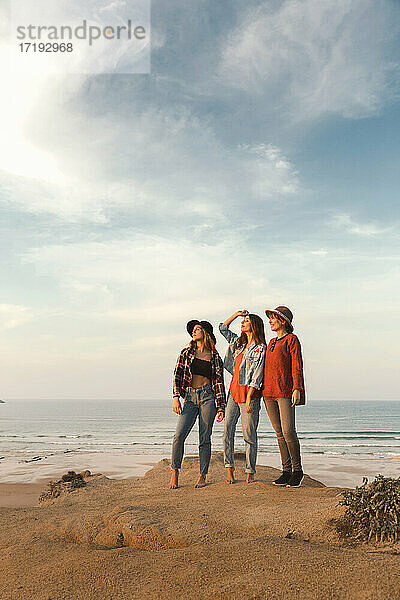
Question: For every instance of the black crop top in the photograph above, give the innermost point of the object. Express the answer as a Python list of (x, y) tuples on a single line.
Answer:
[(201, 367)]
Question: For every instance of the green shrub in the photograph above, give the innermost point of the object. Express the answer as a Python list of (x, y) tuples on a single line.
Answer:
[(373, 511)]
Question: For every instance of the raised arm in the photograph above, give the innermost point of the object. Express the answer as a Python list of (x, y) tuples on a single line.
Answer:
[(224, 327), (238, 313)]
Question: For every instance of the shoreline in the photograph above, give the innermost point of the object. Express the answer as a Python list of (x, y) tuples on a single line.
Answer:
[(21, 483)]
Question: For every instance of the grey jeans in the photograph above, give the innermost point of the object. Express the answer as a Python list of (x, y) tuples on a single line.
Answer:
[(249, 429), (199, 402), (282, 416)]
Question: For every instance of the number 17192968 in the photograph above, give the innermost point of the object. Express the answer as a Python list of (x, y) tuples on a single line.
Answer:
[(45, 47)]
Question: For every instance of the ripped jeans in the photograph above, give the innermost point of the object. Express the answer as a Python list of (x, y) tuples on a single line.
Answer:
[(199, 402)]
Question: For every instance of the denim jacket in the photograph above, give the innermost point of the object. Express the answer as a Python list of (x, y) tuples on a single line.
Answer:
[(251, 371)]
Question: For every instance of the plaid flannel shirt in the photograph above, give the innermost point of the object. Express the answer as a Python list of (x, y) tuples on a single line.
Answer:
[(183, 376)]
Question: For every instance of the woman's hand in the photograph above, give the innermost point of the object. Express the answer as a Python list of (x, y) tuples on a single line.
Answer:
[(176, 406), (238, 313), (296, 397), (220, 416), (247, 405)]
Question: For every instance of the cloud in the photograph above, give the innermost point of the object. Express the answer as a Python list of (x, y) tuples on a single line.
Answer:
[(312, 58), (150, 273), (120, 296), (20, 155), (372, 229), (72, 202), (154, 162), (272, 173), (87, 148), (13, 315), (117, 4)]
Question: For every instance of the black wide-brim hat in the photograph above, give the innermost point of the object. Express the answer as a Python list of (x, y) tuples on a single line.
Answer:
[(204, 324)]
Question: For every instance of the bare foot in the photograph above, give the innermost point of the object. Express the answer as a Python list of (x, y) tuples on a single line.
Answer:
[(201, 482), (230, 478), (250, 478), (174, 479)]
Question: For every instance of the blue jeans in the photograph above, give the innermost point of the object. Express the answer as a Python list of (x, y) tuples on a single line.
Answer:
[(249, 429), (199, 402)]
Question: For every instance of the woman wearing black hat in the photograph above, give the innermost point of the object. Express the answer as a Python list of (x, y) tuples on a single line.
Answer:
[(199, 379)]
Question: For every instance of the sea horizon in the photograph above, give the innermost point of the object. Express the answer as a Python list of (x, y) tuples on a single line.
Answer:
[(114, 433), (343, 427)]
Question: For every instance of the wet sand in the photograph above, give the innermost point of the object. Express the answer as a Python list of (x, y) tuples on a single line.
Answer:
[(21, 494), (345, 471)]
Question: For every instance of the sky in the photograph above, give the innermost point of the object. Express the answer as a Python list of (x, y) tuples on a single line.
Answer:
[(257, 165)]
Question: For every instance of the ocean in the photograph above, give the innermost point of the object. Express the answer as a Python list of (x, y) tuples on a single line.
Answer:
[(34, 429)]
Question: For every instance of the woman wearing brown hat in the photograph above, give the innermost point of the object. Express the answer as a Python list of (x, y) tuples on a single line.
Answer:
[(199, 379), (283, 390)]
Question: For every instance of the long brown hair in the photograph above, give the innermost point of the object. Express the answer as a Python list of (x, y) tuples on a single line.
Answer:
[(207, 340), (257, 329)]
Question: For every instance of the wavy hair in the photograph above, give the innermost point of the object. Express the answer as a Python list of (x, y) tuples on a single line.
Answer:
[(207, 341), (257, 329)]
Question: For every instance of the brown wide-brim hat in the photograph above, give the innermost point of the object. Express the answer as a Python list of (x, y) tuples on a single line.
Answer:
[(284, 313), (204, 324)]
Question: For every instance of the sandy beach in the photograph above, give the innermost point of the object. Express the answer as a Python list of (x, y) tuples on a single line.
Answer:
[(242, 541), (342, 471)]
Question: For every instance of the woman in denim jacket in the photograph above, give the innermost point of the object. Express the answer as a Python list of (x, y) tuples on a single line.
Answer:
[(244, 360)]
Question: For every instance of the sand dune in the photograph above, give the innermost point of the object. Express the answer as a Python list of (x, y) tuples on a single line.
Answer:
[(220, 542)]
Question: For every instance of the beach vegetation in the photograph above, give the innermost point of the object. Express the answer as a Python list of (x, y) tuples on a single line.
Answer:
[(372, 511), (75, 479), (69, 482)]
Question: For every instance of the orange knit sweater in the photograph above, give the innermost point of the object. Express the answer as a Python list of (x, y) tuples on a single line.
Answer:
[(283, 371)]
